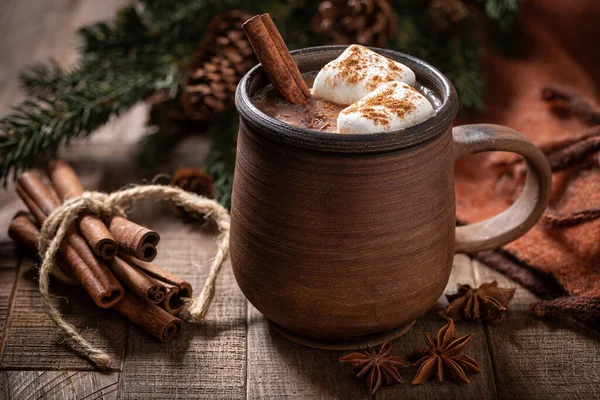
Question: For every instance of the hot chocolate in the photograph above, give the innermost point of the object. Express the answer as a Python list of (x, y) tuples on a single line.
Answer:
[(318, 114), (359, 92)]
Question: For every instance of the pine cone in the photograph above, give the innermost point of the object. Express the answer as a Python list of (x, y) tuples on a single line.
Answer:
[(366, 22), (193, 180), (443, 15), (221, 61)]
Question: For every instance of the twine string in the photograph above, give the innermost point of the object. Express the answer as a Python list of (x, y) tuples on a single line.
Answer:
[(107, 205)]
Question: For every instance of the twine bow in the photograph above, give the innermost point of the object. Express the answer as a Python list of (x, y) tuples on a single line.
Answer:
[(107, 205)]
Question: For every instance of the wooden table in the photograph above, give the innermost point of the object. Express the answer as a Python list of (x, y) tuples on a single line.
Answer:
[(234, 353)]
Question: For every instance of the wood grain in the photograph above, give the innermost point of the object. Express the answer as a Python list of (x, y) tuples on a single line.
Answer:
[(9, 261), (278, 368), (536, 359), (32, 340), (482, 384), (58, 385), (208, 361)]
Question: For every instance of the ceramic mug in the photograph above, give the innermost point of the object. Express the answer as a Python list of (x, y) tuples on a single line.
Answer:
[(340, 238)]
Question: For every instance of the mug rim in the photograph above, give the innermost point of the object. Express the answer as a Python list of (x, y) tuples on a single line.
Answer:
[(352, 143)]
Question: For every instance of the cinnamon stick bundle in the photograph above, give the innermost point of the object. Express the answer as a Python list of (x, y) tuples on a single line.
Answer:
[(96, 233), (132, 238), (276, 60), (151, 318), (137, 282), (92, 274)]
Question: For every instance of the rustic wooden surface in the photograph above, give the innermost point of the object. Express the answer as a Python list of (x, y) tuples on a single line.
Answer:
[(234, 353)]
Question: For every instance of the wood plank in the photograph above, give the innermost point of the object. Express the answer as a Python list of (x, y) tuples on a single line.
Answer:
[(11, 203), (58, 385), (34, 342), (537, 358), (278, 368), (208, 361), (9, 261)]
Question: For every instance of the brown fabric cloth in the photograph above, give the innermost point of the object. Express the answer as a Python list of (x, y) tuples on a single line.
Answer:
[(560, 47)]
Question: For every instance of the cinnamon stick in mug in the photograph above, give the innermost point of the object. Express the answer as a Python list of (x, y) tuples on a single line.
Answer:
[(151, 318), (67, 185), (137, 282), (93, 275), (276, 60)]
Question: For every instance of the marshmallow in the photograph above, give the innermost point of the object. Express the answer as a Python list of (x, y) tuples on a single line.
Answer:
[(356, 73), (394, 105)]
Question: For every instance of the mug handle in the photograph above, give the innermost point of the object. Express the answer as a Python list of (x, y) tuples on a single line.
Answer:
[(522, 215)]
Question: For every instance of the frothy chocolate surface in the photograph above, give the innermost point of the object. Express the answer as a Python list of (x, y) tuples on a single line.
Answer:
[(318, 114)]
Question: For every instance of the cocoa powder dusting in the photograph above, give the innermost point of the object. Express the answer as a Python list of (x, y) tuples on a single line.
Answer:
[(379, 116), (353, 68), (379, 108), (322, 116)]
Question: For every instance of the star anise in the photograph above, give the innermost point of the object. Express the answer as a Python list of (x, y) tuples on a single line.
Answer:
[(376, 365), (486, 303), (442, 355)]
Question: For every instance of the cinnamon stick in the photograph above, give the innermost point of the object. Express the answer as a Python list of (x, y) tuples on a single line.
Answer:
[(185, 289), (134, 239), (24, 232), (92, 274), (137, 282), (151, 318), (95, 232), (276, 60), (131, 237), (285, 55), (173, 302), (177, 288)]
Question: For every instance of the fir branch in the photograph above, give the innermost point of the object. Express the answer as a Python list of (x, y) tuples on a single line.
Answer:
[(42, 78), (122, 63), (126, 33), (167, 125), (148, 46), (503, 12), (39, 125)]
